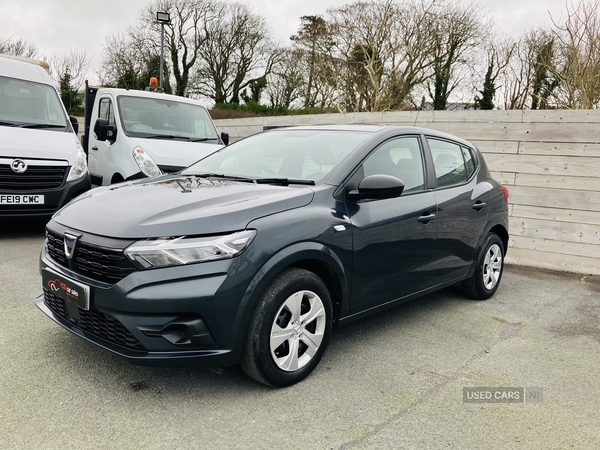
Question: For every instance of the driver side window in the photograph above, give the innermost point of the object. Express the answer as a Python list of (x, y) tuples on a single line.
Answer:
[(400, 158), (106, 111)]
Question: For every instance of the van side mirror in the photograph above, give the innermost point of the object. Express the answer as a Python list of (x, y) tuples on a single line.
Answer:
[(225, 138), (104, 131), (74, 124)]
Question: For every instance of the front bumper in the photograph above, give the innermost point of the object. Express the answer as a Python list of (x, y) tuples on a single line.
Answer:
[(177, 315), (54, 199)]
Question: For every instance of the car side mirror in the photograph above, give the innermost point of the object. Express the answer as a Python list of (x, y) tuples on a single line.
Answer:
[(225, 138), (379, 186), (104, 131), (74, 124)]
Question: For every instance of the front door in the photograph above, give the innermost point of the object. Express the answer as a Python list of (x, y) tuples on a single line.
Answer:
[(100, 157), (394, 242)]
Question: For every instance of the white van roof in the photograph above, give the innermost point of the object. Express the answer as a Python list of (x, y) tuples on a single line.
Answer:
[(25, 69)]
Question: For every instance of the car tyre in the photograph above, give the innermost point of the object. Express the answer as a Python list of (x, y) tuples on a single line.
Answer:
[(289, 330), (488, 269)]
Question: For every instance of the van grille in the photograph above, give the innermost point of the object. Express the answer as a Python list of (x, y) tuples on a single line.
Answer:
[(36, 178)]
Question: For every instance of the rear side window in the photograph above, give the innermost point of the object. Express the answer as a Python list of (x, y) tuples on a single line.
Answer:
[(469, 161), (449, 163)]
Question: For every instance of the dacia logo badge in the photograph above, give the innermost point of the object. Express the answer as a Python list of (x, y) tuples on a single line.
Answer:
[(70, 241), (18, 166)]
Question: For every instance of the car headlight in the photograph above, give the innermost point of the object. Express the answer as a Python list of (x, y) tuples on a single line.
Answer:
[(80, 167), (177, 251), (146, 163)]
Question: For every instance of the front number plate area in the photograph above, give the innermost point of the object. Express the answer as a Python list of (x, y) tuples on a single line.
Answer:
[(71, 291)]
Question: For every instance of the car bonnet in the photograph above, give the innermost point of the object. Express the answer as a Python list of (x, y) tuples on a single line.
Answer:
[(178, 206)]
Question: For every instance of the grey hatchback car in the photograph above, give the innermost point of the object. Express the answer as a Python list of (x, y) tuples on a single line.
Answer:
[(253, 254)]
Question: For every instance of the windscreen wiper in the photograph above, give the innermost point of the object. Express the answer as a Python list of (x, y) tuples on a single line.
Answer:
[(203, 139), (284, 181), (8, 124), (225, 177), (41, 125), (165, 136)]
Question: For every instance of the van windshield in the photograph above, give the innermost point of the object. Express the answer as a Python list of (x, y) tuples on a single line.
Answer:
[(159, 118), (31, 105)]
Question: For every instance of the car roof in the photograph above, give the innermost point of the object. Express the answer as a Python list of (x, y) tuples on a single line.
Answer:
[(25, 69), (376, 130)]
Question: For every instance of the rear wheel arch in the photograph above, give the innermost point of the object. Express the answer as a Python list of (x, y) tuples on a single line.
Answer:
[(502, 234)]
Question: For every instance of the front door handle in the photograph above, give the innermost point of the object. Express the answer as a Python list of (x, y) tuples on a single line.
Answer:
[(426, 217), (479, 205), (95, 148)]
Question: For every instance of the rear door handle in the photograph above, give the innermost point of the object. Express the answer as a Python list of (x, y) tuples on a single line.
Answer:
[(479, 205), (426, 217), (95, 148)]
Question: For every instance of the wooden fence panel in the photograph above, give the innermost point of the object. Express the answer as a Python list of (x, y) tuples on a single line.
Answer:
[(550, 161)]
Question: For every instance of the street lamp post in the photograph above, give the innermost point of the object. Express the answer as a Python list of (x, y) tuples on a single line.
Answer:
[(163, 18)]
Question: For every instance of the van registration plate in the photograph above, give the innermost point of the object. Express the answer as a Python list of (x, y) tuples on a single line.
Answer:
[(21, 199)]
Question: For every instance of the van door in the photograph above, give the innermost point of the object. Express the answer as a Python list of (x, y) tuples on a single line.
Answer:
[(100, 156)]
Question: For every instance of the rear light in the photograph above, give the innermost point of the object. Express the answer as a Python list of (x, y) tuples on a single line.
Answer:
[(504, 191)]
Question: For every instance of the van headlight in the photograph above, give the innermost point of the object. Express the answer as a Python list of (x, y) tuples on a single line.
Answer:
[(145, 163), (80, 167), (177, 251)]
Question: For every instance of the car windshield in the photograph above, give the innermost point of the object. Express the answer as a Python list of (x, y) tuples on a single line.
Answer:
[(292, 154), (165, 119), (28, 104)]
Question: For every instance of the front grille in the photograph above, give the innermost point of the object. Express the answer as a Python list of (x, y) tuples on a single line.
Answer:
[(56, 249), (36, 178), (27, 210), (95, 323), (99, 263)]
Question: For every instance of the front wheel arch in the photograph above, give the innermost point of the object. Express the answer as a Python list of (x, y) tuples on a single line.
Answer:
[(289, 329)]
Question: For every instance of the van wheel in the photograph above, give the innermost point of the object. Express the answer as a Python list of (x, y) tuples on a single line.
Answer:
[(488, 270), (289, 331)]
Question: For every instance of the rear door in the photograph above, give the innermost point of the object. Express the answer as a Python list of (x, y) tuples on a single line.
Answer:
[(463, 204), (394, 242)]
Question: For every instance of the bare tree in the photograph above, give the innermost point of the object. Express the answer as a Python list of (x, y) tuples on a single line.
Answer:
[(184, 35), (383, 49), (123, 54), (457, 32), (237, 51), (287, 81), (499, 53), (578, 57), (21, 48), (75, 64)]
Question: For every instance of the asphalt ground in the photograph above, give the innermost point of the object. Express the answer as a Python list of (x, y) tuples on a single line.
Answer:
[(391, 381)]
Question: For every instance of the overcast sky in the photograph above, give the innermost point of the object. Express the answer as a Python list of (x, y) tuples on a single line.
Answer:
[(57, 26)]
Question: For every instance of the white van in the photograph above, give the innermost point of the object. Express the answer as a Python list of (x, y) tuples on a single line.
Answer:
[(132, 134), (42, 164)]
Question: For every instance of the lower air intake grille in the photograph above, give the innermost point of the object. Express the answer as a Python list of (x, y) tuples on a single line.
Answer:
[(96, 323)]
